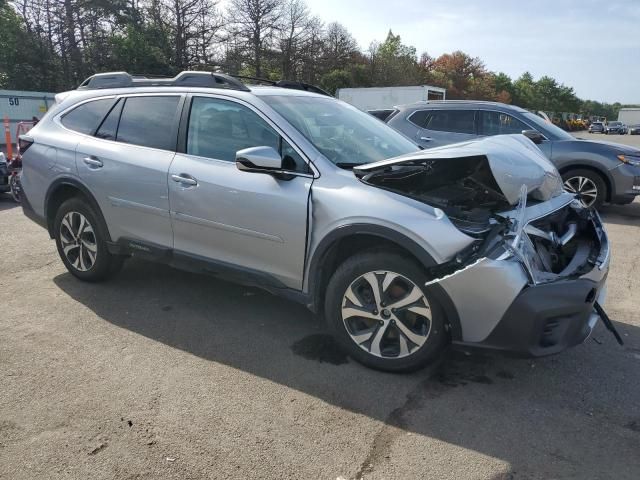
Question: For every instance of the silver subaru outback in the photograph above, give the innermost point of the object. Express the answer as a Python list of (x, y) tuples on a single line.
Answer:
[(403, 251)]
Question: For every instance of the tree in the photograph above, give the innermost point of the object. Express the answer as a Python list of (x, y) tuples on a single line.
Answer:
[(393, 63), (338, 47), (463, 76), (253, 24), (293, 33)]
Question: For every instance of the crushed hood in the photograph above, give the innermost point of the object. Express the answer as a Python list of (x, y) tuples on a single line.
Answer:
[(514, 161)]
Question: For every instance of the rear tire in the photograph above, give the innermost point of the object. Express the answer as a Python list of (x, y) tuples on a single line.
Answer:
[(402, 327), (81, 241), (589, 185)]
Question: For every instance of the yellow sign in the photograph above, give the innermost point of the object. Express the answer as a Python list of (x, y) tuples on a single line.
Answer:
[(42, 109)]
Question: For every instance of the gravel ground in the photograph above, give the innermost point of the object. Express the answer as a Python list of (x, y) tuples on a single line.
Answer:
[(165, 374)]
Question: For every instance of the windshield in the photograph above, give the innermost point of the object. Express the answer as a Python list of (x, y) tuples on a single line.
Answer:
[(548, 129), (614, 124), (342, 133)]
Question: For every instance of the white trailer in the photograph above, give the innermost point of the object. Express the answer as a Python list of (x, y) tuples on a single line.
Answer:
[(377, 98), (629, 116), (22, 106)]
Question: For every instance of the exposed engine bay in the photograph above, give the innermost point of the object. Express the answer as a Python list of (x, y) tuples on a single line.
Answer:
[(464, 189), (562, 243)]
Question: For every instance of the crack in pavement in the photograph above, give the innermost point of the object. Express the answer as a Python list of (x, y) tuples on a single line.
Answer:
[(395, 423)]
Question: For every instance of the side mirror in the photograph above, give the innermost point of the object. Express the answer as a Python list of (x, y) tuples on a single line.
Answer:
[(262, 160), (534, 135), (254, 159)]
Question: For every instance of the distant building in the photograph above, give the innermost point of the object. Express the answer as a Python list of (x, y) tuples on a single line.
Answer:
[(22, 106)]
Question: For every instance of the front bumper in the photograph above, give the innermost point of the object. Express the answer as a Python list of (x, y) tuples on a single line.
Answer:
[(546, 319), (503, 306), (626, 183)]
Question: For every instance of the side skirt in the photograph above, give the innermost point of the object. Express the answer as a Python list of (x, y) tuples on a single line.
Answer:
[(202, 265)]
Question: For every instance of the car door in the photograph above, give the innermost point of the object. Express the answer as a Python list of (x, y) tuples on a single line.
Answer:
[(439, 127), (255, 223), (125, 165)]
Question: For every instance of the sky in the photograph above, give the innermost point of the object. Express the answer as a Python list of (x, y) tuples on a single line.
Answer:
[(590, 45)]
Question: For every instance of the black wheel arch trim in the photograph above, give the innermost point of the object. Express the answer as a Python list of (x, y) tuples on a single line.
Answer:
[(314, 274), (72, 182)]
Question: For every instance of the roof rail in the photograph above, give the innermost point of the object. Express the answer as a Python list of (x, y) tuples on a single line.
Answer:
[(287, 84), (183, 79)]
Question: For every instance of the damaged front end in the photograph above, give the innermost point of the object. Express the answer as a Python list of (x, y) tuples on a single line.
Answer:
[(537, 263)]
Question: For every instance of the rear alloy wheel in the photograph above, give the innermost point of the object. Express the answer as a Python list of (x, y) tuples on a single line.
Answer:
[(588, 186), (81, 243), (78, 241), (381, 315)]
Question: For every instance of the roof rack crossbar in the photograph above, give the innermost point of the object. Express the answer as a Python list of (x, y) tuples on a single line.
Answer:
[(184, 79)]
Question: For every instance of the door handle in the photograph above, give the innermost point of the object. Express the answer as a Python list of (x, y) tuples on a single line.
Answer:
[(426, 139), (93, 162), (184, 179)]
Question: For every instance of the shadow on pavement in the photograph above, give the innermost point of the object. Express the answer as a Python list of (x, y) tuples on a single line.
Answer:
[(573, 415)]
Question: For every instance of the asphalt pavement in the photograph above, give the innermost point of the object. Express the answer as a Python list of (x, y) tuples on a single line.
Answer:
[(165, 374)]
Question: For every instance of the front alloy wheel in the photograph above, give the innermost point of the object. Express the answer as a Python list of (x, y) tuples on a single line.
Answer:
[(386, 314), (377, 307), (78, 241), (584, 187)]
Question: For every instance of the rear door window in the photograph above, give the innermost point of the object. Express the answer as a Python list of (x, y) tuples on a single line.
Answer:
[(456, 121), (498, 123), (85, 118), (149, 122)]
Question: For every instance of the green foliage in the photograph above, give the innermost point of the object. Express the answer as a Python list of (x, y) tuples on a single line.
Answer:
[(393, 63), (52, 45)]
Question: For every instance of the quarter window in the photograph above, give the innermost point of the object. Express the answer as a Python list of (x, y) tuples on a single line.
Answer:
[(109, 127), (457, 121), (497, 123), (86, 117), (149, 122), (219, 128)]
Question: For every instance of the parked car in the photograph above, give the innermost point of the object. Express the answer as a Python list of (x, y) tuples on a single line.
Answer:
[(4, 174), (615, 128), (634, 129), (596, 171), (382, 114), (402, 251), (596, 127)]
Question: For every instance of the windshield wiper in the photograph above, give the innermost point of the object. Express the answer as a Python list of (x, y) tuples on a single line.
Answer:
[(347, 165)]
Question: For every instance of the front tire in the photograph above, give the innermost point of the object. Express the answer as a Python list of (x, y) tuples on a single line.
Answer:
[(382, 315), (81, 242), (588, 185)]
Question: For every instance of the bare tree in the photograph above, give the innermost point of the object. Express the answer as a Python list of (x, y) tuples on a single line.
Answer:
[(253, 23), (292, 35)]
